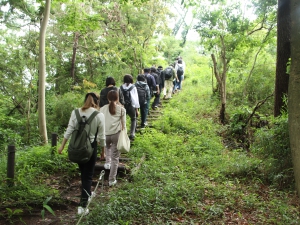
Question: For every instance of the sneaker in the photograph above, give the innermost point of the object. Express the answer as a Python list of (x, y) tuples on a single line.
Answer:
[(83, 211), (107, 166), (131, 137), (146, 124), (112, 183), (142, 126)]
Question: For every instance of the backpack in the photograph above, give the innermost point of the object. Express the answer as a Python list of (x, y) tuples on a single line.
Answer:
[(127, 96), (142, 93), (80, 149), (179, 70), (168, 73)]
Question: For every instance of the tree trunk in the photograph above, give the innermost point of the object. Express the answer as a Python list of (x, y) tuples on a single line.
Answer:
[(42, 74), (283, 54), (76, 36), (294, 93)]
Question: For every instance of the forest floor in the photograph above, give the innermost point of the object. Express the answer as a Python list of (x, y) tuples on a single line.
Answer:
[(66, 212)]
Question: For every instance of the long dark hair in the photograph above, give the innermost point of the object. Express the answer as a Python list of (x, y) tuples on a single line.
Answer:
[(113, 98)]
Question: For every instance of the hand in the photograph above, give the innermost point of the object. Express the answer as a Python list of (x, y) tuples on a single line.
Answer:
[(60, 149), (102, 156), (137, 113)]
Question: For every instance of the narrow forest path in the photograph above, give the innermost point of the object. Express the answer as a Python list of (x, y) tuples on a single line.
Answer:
[(66, 211)]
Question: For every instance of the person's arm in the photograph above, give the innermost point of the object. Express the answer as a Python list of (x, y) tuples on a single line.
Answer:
[(68, 133), (101, 131), (62, 146)]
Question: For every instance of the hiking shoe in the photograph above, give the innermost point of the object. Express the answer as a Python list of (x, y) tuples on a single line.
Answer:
[(131, 137), (112, 183), (107, 166), (83, 211)]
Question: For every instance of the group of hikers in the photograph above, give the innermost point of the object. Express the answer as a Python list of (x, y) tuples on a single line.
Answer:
[(112, 106)]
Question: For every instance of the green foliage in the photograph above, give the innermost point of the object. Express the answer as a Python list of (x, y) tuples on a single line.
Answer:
[(272, 144), (59, 109), (47, 207), (33, 168), (189, 176)]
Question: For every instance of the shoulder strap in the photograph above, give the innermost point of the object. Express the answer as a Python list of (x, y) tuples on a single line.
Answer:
[(122, 89), (131, 87), (94, 114), (78, 117), (122, 122)]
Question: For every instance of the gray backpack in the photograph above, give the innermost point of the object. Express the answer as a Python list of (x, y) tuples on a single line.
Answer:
[(80, 149)]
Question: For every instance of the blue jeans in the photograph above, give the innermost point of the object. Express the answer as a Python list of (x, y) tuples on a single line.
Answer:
[(87, 173), (178, 84)]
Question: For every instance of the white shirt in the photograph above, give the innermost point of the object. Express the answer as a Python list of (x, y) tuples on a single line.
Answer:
[(113, 122), (134, 95)]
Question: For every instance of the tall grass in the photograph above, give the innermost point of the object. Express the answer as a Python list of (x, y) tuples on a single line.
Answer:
[(189, 176)]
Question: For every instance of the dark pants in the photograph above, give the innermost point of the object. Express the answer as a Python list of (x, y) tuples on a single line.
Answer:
[(144, 113), (156, 100), (87, 172), (130, 111)]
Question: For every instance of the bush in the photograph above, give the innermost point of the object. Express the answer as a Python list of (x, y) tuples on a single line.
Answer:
[(273, 146)]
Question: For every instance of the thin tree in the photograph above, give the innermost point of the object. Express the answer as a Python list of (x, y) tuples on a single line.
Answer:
[(283, 54), (294, 93), (42, 72)]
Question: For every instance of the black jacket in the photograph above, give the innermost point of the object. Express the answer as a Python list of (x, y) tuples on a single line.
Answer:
[(104, 92)]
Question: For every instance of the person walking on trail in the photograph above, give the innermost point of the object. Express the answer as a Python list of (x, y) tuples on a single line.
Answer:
[(144, 96), (169, 75), (179, 70), (132, 104), (151, 83), (114, 112), (156, 90), (110, 85), (97, 135), (184, 67), (161, 81)]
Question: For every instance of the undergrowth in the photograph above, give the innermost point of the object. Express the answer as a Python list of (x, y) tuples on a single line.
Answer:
[(190, 177)]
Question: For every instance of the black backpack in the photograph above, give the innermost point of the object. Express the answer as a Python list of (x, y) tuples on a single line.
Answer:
[(80, 149), (127, 96), (142, 93), (179, 71), (168, 73)]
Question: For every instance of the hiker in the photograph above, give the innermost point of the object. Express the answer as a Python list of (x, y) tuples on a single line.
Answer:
[(132, 104), (144, 96), (183, 64), (156, 89), (161, 81), (179, 71), (113, 113), (169, 75), (150, 80), (151, 83), (110, 85), (97, 135)]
